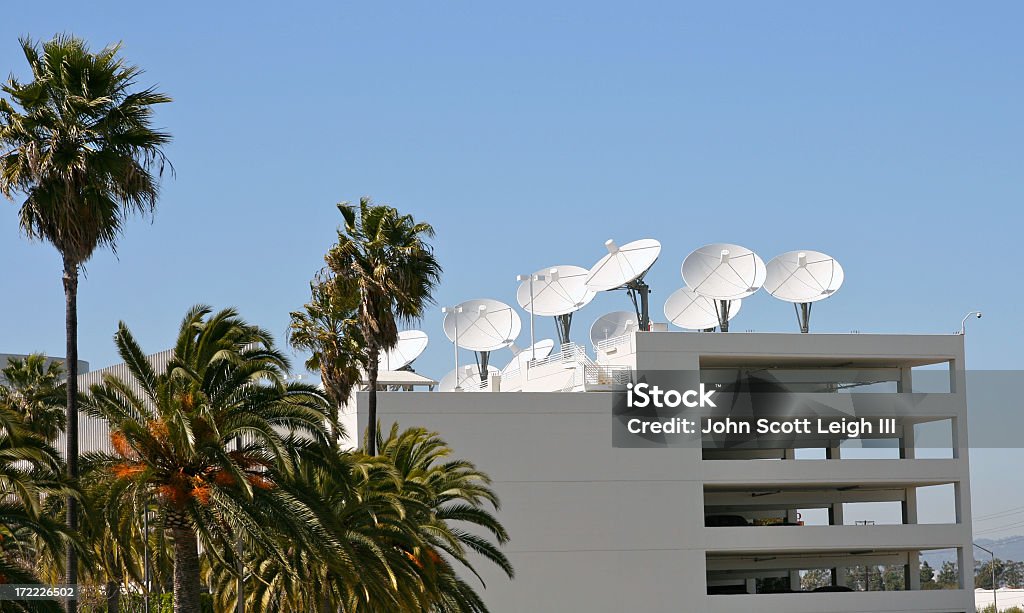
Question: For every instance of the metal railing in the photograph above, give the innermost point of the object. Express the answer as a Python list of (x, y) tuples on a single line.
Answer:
[(603, 346), (607, 375)]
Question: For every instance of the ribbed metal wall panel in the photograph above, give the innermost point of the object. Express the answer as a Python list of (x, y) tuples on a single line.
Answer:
[(94, 434)]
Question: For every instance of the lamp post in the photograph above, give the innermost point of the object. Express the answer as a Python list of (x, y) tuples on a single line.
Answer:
[(991, 553), (455, 320), (963, 322), (533, 340)]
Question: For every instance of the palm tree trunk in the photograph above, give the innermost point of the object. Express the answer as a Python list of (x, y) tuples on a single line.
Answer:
[(71, 447), (186, 571), (113, 596), (371, 426)]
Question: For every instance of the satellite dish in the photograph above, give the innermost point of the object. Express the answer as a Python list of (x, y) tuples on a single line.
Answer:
[(558, 292), (803, 277), (612, 325), (468, 379), (482, 325), (624, 268), (723, 272), (692, 311), (538, 351), (411, 344)]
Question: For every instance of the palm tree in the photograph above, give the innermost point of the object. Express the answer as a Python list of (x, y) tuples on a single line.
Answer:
[(453, 495), (31, 470), (116, 537), (327, 328), (383, 258), (205, 440), (78, 145), (35, 389), (356, 559)]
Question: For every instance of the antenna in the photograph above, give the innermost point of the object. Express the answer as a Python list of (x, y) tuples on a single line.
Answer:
[(468, 379), (803, 278), (561, 292), (411, 344), (482, 325), (692, 311), (611, 325), (724, 273), (624, 268)]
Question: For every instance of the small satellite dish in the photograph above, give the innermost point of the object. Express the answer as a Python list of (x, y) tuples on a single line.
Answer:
[(624, 268), (612, 325), (803, 277), (538, 351), (692, 311), (723, 272), (558, 291), (482, 325), (468, 379), (411, 344)]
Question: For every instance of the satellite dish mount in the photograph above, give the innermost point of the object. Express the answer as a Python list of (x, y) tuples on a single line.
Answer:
[(803, 316), (640, 293)]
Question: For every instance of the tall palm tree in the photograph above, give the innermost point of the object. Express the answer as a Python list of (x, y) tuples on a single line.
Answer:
[(327, 328), (383, 258), (77, 144), (205, 439)]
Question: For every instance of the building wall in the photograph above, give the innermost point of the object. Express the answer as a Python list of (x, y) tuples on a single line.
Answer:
[(602, 529), (83, 366), (94, 434)]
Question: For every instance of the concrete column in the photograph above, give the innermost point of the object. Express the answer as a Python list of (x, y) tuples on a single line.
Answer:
[(835, 518), (912, 570), (791, 517)]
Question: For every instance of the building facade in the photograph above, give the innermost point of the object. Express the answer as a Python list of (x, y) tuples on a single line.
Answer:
[(83, 366), (606, 529)]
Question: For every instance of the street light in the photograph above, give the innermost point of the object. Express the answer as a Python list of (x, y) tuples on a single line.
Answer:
[(990, 552), (963, 322), (533, 340), (455, 322)]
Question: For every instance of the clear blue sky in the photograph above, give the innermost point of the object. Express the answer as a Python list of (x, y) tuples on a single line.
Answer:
[(886, 134)]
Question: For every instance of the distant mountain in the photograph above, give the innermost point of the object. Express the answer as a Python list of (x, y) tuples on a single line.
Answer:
[(1007, 548)]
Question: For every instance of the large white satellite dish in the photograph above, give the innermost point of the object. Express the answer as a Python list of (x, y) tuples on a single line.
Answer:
[(411, 344), (803, 277), (537, 351), (624, 268), (692, 311), (558, 291), (723, 272), (468, 379), (612, 325), (482, 325)]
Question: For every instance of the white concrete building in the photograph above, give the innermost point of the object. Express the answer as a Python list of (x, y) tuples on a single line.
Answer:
[(605, 530)]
